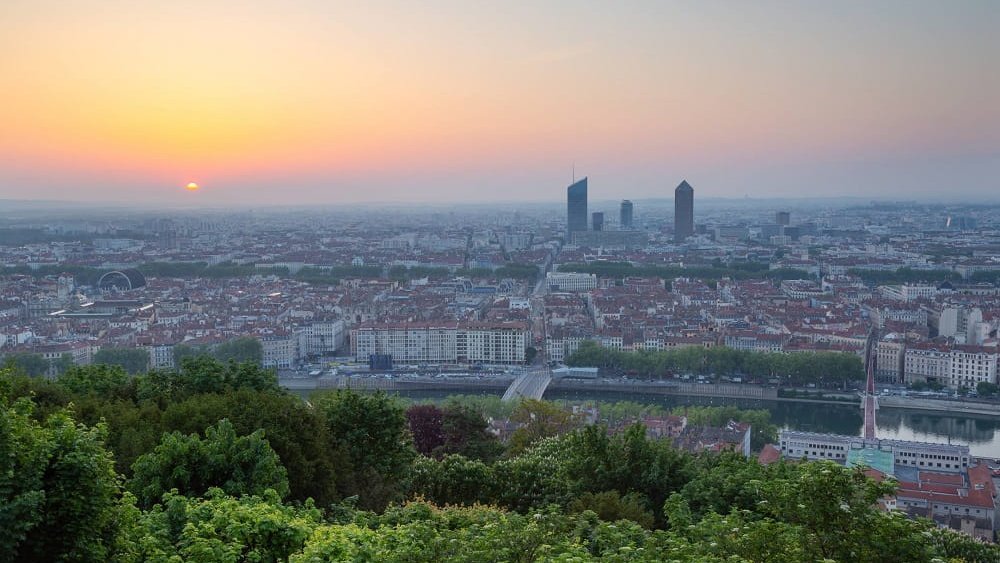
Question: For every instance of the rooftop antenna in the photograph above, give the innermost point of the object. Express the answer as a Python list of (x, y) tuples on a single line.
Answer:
[(574, 172)]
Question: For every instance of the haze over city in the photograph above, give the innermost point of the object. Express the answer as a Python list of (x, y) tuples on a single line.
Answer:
[(315, 102)]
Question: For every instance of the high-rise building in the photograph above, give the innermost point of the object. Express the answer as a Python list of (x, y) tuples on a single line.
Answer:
[(683, 211), (597, 220), (625, 216), (576, 207), (783, 218)]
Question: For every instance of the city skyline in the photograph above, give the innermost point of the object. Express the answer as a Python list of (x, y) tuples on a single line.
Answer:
[(129, 102)]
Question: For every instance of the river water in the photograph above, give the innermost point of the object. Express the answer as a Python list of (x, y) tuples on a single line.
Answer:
[(980, 432)]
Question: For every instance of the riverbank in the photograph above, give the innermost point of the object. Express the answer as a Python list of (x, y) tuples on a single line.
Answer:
[(938, 405), (499, 384), (721, 390)]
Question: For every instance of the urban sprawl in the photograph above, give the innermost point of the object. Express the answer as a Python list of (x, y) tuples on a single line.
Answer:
[(533, 288)]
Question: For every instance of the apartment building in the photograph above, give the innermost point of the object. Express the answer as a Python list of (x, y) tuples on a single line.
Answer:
[(443, 342), (570, 281)]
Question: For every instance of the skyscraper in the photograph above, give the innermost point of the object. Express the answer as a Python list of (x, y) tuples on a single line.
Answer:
[(625, 216), (598, 220), (576, 208), (783, 218), (683, 211)]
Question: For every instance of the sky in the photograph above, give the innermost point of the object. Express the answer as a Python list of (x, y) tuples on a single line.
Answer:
[(322, 101)]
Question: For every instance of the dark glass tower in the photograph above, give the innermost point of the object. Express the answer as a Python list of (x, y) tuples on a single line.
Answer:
[(683, 211), (576, 208), (598, 220), (625, 217)]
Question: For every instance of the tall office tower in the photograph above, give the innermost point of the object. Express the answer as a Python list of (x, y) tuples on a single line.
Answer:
[(625, 216), (683, 211), (598, 220), (576, 208), (783, 218)]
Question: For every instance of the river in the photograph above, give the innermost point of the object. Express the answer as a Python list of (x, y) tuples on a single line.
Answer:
[(980, 432)]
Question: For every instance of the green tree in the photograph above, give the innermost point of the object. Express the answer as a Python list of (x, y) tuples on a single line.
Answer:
[(182, 351), (58, 489), (986, 389), (134, 360), (627, 462), (530, 353), (453, 480), (836, 509), (370, 429), (61, 364), (28, 364), (102, 379), (294, 430), (204, 374), (240, 350), (464, 432), (612, 507), (222, 528), (539, 419), (239, 465), (726, 481)]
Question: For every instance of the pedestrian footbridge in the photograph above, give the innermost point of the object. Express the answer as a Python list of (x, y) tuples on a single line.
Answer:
[(528, 385), (533, 383)]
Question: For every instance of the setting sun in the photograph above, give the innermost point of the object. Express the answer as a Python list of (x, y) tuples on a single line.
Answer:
[(192, 187)]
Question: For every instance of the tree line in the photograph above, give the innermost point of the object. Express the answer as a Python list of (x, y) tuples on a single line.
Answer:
[(137, 360), (905, 275), (214, 462), (713, 272), (828, 368)]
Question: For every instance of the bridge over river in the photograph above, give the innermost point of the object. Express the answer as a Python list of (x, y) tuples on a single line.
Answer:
[(529, 385)]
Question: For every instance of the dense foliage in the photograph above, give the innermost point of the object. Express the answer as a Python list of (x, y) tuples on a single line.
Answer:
[(134, 360), (239, 350), (801, 368), (905, 275), (232, 445), (238, 465)]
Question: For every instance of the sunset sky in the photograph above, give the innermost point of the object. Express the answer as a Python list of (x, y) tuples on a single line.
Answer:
[(298, 101)]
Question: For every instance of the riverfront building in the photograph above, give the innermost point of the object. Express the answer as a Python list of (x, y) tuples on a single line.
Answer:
[(948, 458), (445, 342), (954, 366)]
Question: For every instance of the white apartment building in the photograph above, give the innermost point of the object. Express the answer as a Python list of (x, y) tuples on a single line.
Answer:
[(803, 289), (889, 354), (445, 342), (502, 343), (955, 367), (962, 324), (321, 337), (971, 365), (14, 336), (280, 350), (754, 342), (925, 363), (570, 281), (908, 292), (161, 356)]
